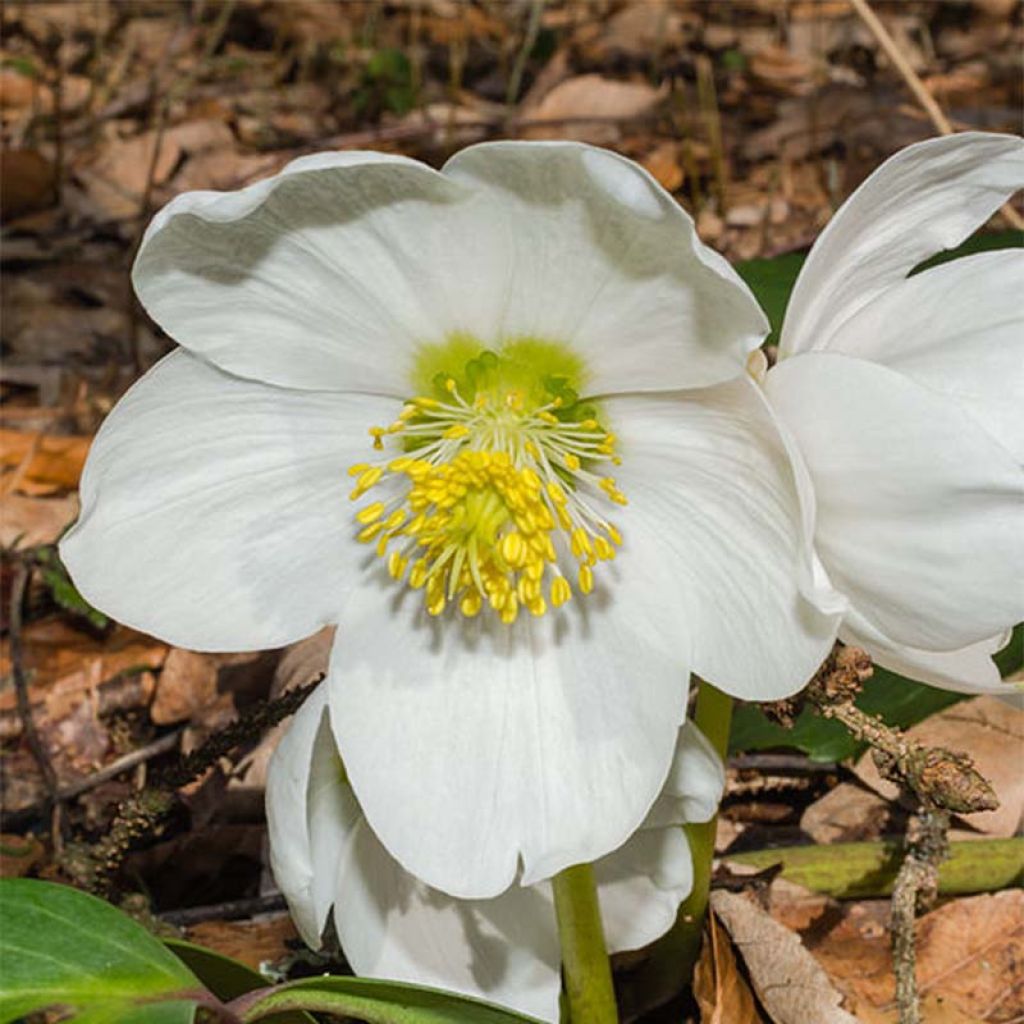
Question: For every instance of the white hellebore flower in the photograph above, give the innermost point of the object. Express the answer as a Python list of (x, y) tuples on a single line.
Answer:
[(468, 373), (905, 398), (505, 950)]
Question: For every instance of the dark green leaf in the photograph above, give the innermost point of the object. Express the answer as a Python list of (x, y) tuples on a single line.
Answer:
[(64, 592), (227, 978), (382, 1002), (771, 281), (63, 948)]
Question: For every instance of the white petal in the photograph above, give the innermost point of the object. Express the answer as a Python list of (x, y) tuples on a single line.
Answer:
[(291, 858), (711, 489), (391, 925), (320, 277), (957, 329), (215, 511), (929, 196), (589, 249), (503, 949), (641, 885), (335, 272), (920, 512), (695, 783), (967, 670), (472, 745)]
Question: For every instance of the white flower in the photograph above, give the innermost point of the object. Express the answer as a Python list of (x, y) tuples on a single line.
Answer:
[(477, 347), (905, 398), (390, 925)]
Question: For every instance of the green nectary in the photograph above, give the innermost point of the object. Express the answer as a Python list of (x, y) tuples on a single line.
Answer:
[(540, 371)]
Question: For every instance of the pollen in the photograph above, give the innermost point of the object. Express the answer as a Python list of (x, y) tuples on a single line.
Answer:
[(492, 496)]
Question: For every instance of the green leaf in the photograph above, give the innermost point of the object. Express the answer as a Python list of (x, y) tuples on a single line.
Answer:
[(227, 978), (64, 592), (63, 948), (380, 1002)]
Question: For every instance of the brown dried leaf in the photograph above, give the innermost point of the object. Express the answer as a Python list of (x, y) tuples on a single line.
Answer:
[(28, 182), (31, 521), (718, 986), (18, 855), (42, 459), (992, 732), (847, 814), (970, 953), (587, 96), (251, 942), (790, 983)]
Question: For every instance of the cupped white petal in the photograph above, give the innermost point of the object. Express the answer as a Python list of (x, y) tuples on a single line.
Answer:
[(504, 949), (928, 197), (475, 747), (288, 778), (214, 509), (958, 329), (321, 277), (920, 512), (590, 250), (334, 273), (695, 784), (711, 490), (967, 670)]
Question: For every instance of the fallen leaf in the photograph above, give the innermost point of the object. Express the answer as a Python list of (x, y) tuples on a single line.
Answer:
[(30, 521), (18, 855), (590, 96), (849, 813), (992, 732), (663, 163), (718, 986), (970, 952), (117, 179), (41, 459), (252, 942), (790, 983), (28, 182)]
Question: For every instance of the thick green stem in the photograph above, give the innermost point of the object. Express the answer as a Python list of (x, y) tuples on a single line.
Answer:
[(863, 870), (675, 955), (713, 716), (586, 970)]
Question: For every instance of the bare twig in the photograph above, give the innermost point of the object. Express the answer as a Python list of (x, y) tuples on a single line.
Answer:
[(141, 814), (230, 910), (917, 885), (19, 586), (918, 88), (515, 79), (935, 781)]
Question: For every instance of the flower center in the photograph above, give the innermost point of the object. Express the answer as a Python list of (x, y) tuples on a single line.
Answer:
[(497, 486)]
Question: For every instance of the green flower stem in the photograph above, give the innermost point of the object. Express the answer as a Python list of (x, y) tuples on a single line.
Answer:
[(713, 716), (586, 970)]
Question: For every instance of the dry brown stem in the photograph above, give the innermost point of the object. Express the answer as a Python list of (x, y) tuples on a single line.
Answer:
[(935, 781)]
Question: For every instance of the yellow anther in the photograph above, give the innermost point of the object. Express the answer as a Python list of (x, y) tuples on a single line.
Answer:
[(371, 513), (548, 417), (586, 579), (455, 431), (396, 565), (471, 603), (589, 425), (572, 462), (418, 575), (613, 534), (581, 545), (538, 606), (395, 520), (513, 549), (604, 549), (366, 480), (556, 492), (510, 610), (358, 469), (560, 591), (369, 532)]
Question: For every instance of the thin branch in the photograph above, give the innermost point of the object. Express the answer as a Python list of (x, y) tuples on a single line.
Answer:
[(19, 586)]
